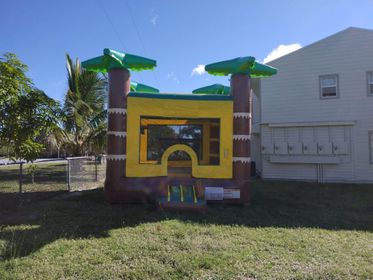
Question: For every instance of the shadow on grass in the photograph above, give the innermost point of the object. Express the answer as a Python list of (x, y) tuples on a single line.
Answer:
[(274, 204)]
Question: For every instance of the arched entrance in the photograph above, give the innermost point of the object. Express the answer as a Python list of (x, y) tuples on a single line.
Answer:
[(179, 160), (179, 165)]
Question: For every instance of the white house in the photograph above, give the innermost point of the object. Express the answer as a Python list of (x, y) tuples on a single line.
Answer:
[(314, 119)]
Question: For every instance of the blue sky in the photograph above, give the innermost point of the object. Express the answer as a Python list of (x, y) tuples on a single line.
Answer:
[(180, 35)]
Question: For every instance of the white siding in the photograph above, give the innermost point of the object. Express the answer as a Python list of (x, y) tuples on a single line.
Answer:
[(256, 106), (256, 120), (305, 172), (292, 96), (255, 152)]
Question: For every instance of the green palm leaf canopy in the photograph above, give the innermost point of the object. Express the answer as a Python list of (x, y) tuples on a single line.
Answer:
[(113, 60), (138, 87), (213, 89), (241, 65)]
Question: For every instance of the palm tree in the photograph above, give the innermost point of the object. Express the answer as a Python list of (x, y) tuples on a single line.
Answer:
[(84, 107), (57, 138)]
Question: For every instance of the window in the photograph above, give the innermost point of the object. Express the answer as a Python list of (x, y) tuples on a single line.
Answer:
[(158, 134), (329, 86), (160, 137), (371, 146), (370, 82)]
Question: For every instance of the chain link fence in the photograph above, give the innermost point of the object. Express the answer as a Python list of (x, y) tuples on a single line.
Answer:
[(85, 173), (70, 174)]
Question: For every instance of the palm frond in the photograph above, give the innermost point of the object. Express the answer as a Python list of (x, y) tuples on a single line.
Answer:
[(84, 103)]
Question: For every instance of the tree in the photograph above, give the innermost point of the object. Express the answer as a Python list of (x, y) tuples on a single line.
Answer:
[(12, 77), (56, 138), (25, 111), (36, 113), (84, 108), (13, 81)]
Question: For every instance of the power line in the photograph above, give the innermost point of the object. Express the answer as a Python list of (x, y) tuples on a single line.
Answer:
[(136, 29), (139, 37), (112, 25)]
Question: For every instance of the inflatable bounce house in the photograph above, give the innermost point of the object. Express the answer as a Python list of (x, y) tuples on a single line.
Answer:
[(178, 150)]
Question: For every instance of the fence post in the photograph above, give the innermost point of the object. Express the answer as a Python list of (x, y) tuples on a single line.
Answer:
[(20, 176), (68, 175)]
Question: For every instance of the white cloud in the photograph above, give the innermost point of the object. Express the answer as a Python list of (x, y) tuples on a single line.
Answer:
[(198, 70), (153, 19), (173, 77), (281, 50)]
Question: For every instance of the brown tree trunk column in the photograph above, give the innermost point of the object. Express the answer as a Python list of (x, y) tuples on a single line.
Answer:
[(241, 91), (119, 87)]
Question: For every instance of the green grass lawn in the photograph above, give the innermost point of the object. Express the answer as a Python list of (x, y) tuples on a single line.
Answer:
[(290, 231)]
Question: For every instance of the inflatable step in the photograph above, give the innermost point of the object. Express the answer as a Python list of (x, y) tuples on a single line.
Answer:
[(181, 196)]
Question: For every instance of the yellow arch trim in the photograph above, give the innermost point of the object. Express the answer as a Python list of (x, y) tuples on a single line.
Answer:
[(179, 147)]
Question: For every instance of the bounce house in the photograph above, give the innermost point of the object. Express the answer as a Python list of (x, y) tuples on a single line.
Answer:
[(178, 150)]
